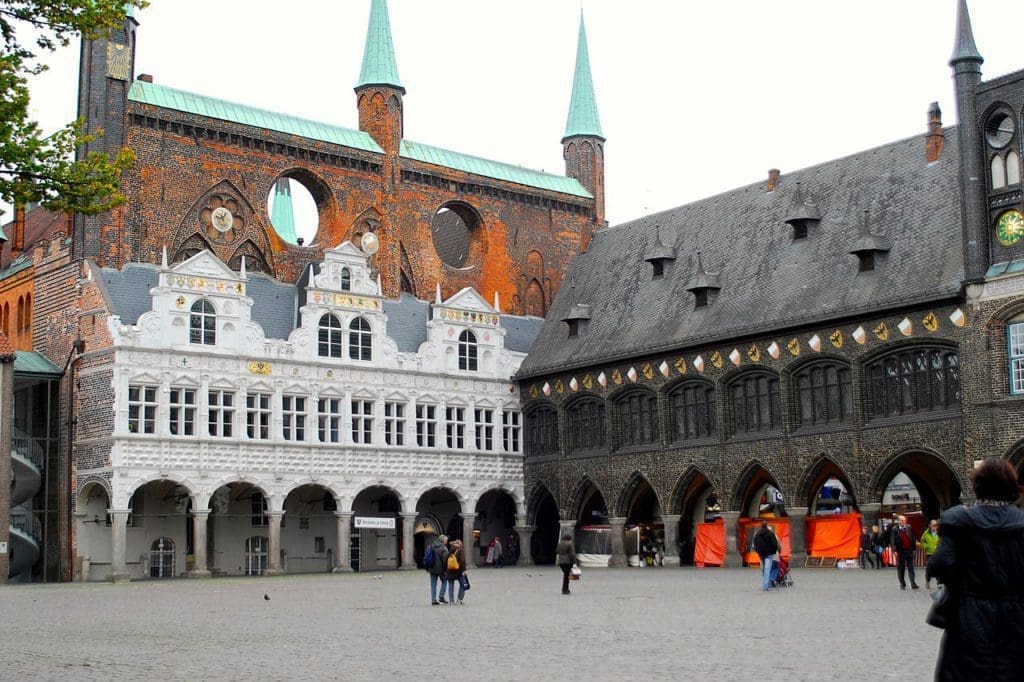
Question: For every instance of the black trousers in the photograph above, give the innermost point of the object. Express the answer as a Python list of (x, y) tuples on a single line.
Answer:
[(566, 568), (905, 564)]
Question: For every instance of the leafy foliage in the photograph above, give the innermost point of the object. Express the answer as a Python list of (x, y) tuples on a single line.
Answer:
[(38, 168)]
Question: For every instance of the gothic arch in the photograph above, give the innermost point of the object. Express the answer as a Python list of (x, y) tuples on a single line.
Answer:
[(688, 484), (407, 278), (254, 259), (190, 247), (535, 498), (812, 478), (929, 471), (534, 301), (580, 496), (627, 497), (754, 474)]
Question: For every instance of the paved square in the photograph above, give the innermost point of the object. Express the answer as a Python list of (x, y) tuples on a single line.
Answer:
[(639, 623)]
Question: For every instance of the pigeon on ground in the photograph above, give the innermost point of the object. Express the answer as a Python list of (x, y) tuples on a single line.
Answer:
[(266, 596)]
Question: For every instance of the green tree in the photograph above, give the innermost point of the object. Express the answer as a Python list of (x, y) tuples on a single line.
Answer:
[(38, 168)]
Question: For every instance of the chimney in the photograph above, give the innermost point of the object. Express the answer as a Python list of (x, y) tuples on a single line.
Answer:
[(933, 139), (146, 77), (773, 179), (18, 245)]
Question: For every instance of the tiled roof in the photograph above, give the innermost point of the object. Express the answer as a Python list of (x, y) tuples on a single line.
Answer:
[(34, 363), (768, 280), (6, 349)]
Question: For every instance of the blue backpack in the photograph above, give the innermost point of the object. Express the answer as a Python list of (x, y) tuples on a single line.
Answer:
[(428, 558)]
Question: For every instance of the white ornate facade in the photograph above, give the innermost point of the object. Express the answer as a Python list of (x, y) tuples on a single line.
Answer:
[(220, 433)]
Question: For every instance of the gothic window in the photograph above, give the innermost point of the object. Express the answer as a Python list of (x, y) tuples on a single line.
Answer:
[(329, 337), (1015, 334), (824, 394), (998, 172), (202, 323), (360, 340), (467, 351), (914, 381), (1012, 168), (638, 419), (588, 428), (756, 403), (542, 431), (346, 279), (693, 411)]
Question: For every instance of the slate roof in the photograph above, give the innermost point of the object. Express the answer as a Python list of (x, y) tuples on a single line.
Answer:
[(407, 321), (768, 281)]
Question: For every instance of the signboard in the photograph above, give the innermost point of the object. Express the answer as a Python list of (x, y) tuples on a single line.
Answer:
[(3, 548), (375, 522)]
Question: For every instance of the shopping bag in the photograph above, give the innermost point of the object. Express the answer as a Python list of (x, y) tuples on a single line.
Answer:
[(464, 582), (575, 573)]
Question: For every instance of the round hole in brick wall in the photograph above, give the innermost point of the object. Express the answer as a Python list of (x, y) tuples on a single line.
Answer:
[(457, 235), (293, 206)]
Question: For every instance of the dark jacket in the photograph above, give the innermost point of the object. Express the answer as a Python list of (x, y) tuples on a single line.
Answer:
[(895, 540), (765, 543), (876, 540), (981, 560), (565, 553), (440, 558)]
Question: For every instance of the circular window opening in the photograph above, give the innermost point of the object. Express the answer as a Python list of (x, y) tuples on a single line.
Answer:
[(457, 237), (999, 131), (294, 209)]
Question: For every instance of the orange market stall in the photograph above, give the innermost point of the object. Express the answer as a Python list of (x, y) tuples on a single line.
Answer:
[(750, 526), (709, 546), (834, 535)]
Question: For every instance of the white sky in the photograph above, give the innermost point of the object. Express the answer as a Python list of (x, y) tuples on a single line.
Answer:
[(695, 98)]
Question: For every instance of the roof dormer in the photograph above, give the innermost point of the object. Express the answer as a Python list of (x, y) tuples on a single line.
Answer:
[(659, 255), (869, 246), (704, 285), (578, 315), (802, 215)]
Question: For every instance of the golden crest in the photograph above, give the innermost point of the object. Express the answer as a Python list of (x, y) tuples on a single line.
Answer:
[(180, 301), (259, 367), (793, 347), (882, 331), (930, 322), (836, 338), (588, 383), (647, 370), (239, 288), (533, 391), (559, 386), (680, 365), (716, 359), (617, 377), (754, 353)]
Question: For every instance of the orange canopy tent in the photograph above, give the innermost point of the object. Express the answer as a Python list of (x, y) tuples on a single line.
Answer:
[(750, 526), (835, 535), (709, 547)]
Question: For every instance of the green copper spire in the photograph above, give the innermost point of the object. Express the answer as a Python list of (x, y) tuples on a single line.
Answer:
[(583, 118), (281, 215), (379, 66)]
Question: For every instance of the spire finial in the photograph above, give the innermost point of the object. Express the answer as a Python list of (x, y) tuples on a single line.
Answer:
[(437, 294), (583, 118), (497, 302), (964, 50), (242, 271), (163, 258), (379, 65)]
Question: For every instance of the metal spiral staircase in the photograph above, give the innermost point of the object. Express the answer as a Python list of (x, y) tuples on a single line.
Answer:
[(27, 462)]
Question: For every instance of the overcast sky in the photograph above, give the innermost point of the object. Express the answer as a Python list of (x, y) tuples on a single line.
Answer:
[(695, 98)]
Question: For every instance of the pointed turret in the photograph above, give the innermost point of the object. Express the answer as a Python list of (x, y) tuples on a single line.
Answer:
[(282, 215), (966, 63), (379, 89), (379, 65), (583, 142)]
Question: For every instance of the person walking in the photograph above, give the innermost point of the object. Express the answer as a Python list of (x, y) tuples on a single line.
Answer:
[(565, 558), (455, 566), (499, 556), (980, 561), (903, 545), (929, 542), (867, 549), (877, 545), (767, 546), (513, 547), (435, 559)]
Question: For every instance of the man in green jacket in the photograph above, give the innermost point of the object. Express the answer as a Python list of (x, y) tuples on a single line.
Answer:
[(929, 543)]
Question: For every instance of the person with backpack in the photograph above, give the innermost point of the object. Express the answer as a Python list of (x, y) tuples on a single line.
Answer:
[(435, 559), (455, 567)]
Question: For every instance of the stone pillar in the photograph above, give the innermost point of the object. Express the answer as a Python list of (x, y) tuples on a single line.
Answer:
[(469, 549), (797, 536), (199, 520), (733, 555), (618, 542), (525, 534), (671, 522), (274, 552), (343, 555), (118, 524), (869, 514), (408, 541)]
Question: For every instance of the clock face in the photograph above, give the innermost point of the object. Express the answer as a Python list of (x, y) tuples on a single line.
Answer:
[(1010, 228), (999, 131), (222, 219)]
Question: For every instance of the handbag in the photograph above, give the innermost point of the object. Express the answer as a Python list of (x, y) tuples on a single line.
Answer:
[(464, 582), (575, 573), (942, 612)]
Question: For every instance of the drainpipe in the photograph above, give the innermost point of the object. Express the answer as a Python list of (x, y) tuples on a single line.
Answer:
[(77, 348)]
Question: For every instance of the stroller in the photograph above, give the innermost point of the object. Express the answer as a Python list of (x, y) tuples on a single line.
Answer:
[(780, 573)]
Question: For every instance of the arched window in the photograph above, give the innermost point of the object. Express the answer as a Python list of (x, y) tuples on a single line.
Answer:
[(998, 172), (914, 380), (28, 312), (360, 340), (256, 552), (346, 279), (1015, 336), (693, 411), (824, 394), (1012, 168), (542, 431), (5, 319), (638, 419), (202, 323), (21, 314), (467, 351), (588, 428), (329, 337), (161, 558), (756, 403)]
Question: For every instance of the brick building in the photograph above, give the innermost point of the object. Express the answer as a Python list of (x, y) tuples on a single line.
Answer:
[(827, 330)]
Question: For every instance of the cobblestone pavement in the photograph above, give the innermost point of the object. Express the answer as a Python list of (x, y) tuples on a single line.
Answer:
[(639, 623)]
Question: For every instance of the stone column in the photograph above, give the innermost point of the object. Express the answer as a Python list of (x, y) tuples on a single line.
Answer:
[(869, 514), (733, 554), (618, 542), (118, 524), (274, 552), (343, 555), (671, 522), (199, 520), (408, 543), (525, 534), (468, 547), (797, 536)]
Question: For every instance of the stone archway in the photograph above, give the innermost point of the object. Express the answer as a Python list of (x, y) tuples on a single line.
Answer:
[(543, 515), (644, 537), (598, 536), (376, 529), (813, 480), (918, 483), (439, 512), (237, 515), (309, 530), (495, 519), (694, 501)]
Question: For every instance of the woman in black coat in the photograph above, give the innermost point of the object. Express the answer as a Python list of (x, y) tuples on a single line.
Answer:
[(980, 559)]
